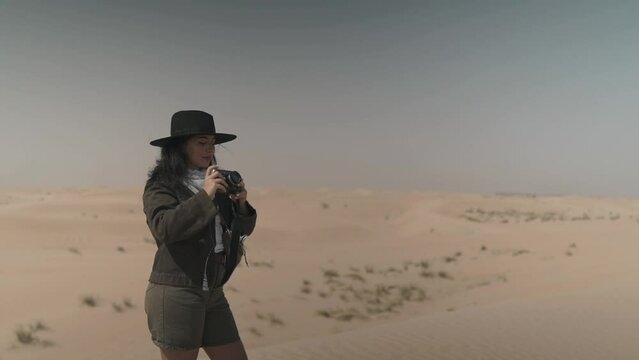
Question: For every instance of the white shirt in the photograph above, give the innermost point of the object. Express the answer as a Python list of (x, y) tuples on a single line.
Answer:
[(195, 182)]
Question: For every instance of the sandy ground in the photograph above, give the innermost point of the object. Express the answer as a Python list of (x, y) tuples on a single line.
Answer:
[(337, 275)]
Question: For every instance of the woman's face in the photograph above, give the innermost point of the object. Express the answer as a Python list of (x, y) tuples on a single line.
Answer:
[(199, 150)]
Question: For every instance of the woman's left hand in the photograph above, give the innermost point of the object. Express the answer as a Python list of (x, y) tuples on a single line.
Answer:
[(240, 197)]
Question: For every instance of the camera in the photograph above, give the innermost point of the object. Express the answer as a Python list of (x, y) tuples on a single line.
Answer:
[(233, 179)]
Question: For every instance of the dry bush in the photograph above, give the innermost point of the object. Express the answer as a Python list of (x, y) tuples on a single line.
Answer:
[(329, 273), (89, 300), (262, 263), (520, 252), (355, 276), (28, 336), (127, 302)]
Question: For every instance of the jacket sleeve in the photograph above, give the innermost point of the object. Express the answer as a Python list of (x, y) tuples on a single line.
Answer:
[(171, 221), (248, 220)]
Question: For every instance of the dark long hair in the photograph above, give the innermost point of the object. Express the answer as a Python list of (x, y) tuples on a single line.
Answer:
[(171, 167)]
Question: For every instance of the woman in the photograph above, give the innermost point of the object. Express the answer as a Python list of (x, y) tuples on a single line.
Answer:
[(197, 225)]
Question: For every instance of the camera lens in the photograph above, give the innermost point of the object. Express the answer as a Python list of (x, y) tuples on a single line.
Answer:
[(235, 177)]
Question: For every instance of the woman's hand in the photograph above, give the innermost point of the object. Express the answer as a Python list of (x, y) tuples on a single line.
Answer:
[(240, 198), (214, 181)]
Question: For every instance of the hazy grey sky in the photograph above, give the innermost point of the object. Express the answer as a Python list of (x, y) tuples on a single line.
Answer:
[(474, 96)]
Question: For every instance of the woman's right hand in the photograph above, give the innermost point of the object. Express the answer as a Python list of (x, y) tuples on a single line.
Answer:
[(214, 181)]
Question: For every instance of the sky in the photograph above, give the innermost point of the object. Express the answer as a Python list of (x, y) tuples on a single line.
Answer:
[(448, 96)]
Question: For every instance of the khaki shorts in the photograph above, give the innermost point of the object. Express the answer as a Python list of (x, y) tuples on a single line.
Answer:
[(181, 318)]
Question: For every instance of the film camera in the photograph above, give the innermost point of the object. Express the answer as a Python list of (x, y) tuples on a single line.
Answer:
[(233, 179)]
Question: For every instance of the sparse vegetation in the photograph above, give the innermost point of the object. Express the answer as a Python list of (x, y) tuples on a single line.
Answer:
[(520, 252), (511, 215), (583, 217), (342, 314), (391, 270), (369, 299), (27, 336), (89, 300), (331, 274), (503, 216), (355, 276), (274, 320), (262, 264), (427, 274), (255, 331), (127, 302)]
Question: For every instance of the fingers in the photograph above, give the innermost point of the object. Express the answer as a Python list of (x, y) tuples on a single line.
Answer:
[(211, 169), (220, 181)]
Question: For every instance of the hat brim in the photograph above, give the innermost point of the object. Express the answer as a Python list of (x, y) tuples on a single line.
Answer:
[(219, 139)]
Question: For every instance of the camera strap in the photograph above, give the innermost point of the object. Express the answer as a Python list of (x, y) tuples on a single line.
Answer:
[(231, 261)]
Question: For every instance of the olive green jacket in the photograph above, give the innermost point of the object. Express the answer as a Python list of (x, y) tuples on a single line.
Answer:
[(183, 226)]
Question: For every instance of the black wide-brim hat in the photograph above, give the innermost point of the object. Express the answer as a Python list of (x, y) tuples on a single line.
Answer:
[(192, 122)]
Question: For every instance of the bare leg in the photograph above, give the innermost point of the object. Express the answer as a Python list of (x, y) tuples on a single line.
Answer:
[(232, 351), (179, 355)]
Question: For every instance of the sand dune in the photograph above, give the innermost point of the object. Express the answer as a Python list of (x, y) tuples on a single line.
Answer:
[(345, 274), (597, 323)]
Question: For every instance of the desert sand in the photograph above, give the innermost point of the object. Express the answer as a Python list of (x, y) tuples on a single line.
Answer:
[(361, 274)]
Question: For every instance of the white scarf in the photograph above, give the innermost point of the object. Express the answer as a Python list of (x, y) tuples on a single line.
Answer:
[(194, 180)]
